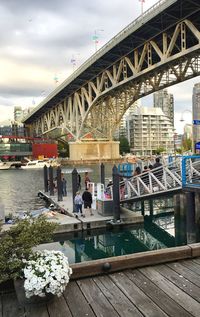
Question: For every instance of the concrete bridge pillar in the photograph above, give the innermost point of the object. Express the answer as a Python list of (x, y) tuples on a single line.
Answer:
[(93, 150)]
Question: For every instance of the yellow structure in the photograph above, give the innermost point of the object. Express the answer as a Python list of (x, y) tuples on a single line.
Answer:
[(94, 150)]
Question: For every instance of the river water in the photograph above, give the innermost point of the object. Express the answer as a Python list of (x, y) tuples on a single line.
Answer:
[(19, 188)]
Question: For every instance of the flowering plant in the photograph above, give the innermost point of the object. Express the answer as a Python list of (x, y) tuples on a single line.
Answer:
[(46, 272)]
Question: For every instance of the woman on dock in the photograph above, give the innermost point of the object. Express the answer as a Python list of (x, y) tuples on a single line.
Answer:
[(78, 202)]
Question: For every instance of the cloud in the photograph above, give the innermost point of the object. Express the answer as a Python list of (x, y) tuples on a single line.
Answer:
[(39, 38)]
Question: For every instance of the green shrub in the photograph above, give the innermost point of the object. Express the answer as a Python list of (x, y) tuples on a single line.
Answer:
[(16, 244)]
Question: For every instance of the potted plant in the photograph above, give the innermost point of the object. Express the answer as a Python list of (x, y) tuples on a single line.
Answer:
[(16, 245), (45, 273)]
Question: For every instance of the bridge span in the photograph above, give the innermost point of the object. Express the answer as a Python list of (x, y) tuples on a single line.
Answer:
[(157, 50)]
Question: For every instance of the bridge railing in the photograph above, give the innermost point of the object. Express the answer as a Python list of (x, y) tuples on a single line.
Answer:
[(166, 178), (191, 171)]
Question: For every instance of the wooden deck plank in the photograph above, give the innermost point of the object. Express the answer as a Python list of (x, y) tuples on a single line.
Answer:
[(76, 301), (180, 281), (160, 298), (188, 303), (186, 272), (36, 311), (11, 307), (192, 265), (136, 296), (96, 299), (58, 308), (119, 301), (197, 260)]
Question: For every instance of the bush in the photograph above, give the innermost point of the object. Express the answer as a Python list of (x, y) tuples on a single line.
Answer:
[(16, 244)]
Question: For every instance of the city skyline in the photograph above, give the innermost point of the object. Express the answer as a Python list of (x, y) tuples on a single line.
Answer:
[(44, 43)]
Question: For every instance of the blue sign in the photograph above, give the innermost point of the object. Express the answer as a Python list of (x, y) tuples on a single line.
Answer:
[(196, 122), (197, 146)]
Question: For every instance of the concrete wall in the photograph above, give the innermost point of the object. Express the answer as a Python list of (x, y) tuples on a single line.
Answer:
[(94, 150)]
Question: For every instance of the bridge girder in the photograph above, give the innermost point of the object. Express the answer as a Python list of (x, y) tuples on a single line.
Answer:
[(97, 107)]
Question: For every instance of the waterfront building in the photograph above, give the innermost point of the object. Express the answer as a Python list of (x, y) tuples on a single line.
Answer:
[(162, 99), (149, 129), (196, 116), (16, 148)]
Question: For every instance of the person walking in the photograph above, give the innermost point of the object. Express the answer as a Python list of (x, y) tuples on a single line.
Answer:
[(78, 202), (64, 186), (87, 181), (87, 200)]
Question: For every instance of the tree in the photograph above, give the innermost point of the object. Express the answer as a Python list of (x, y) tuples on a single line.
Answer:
[(159, 150), (124, 146), (187, 144), (63, 149)]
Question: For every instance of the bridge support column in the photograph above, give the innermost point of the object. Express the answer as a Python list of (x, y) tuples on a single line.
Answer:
[(180, 219), (94, 150)]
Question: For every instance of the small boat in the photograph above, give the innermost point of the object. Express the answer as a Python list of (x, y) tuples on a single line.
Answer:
[(35, 164), (5, 165), (39, 164)]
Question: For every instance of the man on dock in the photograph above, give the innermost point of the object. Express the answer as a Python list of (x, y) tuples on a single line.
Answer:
[(87, 199)]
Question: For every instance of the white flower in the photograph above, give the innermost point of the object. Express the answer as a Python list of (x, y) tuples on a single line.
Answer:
[(46, 272)]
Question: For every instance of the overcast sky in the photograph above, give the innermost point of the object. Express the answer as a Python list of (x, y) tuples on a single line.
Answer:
[(40, 38)]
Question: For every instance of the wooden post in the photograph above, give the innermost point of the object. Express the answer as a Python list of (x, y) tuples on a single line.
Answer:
[(180, 219), (74, 186), (151, 208), (197, 216), (59, 184), (51, 187), (143, 208), (45, 179), (102, 167), (116, 198), (190, 217)]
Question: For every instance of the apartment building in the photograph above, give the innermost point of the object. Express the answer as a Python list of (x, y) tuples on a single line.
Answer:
[(149, 129)]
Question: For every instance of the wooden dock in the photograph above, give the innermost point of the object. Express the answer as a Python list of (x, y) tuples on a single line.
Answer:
[(171, 289)]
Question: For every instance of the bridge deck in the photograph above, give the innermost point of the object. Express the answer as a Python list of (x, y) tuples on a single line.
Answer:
[(171, 289)]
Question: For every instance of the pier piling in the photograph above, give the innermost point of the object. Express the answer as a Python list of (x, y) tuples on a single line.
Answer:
[(51, 187), (116, 198), (102, 170), (74, 185), (59, 184), (45, 179)]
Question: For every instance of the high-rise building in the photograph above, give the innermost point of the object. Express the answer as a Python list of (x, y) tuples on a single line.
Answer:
[(149, 129), (162, 99), (18, 114), (196, 116)]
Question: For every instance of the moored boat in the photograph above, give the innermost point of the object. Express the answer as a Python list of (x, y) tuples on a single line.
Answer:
[(39, 164)]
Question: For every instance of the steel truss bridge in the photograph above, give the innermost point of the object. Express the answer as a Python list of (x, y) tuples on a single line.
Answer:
[(157, 50)]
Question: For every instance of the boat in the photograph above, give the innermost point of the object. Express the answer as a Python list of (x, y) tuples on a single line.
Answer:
[(31, 164), (4, 166)]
